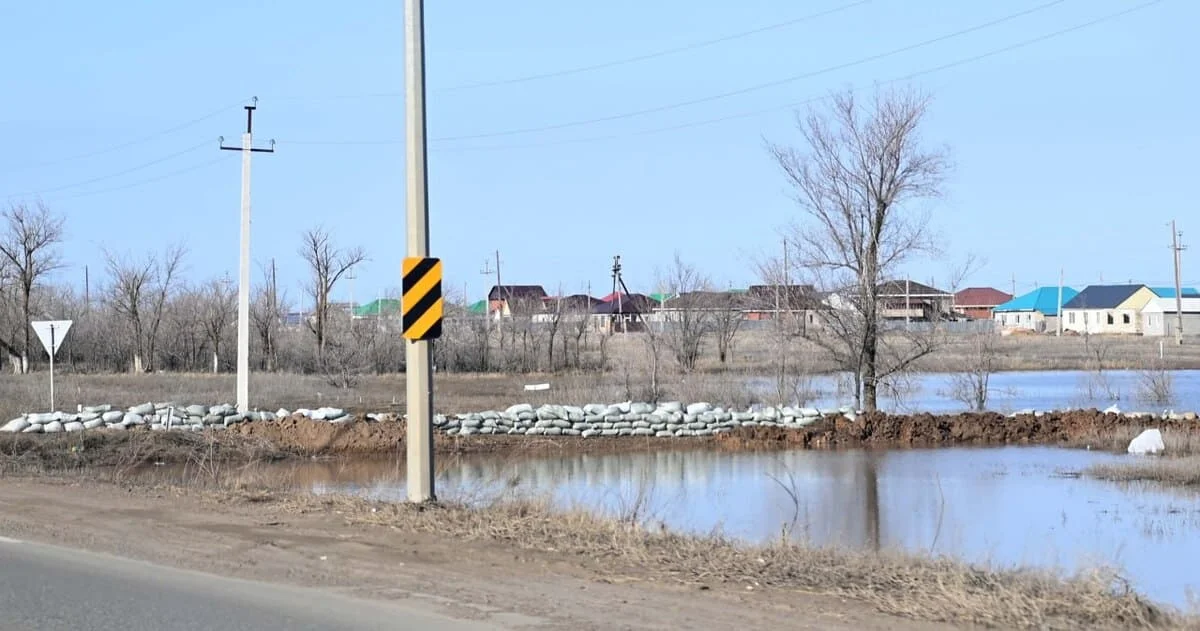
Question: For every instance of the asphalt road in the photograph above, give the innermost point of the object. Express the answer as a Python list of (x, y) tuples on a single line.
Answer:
[(50, 589)]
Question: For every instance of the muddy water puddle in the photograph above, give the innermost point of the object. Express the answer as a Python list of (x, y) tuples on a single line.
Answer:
[(1015, 506)]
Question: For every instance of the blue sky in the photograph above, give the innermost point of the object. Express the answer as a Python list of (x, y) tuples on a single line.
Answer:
[(1071, 152)]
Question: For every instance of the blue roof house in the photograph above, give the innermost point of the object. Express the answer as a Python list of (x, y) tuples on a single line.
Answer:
[(1034, 311), (1169, 292)]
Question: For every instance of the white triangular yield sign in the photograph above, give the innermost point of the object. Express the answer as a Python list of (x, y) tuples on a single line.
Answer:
[(51, 333)]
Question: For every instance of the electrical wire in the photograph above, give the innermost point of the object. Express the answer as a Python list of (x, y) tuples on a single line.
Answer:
[(709, 121), (757, 87), (100, 152), (118, 173), (656, 54), (156, 178)]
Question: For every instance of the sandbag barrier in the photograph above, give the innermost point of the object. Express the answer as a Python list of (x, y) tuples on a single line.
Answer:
[(156, 416), (663, 420)]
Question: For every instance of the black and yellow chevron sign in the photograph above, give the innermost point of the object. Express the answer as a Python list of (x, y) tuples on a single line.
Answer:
[(422, 302)]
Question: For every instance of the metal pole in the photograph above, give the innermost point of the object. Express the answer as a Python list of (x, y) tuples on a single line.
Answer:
[(243, 320), (52, 349), (1060, 297), (1178, 289), (418, 373)]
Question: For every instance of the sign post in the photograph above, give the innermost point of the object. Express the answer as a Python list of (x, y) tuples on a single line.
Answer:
[(51, 333), (422, 302)]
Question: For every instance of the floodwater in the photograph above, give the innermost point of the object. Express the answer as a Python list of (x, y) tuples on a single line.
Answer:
[(1013, 506), (1013, 391)]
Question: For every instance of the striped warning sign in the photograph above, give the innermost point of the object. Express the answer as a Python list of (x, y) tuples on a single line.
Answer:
[(422, 302)]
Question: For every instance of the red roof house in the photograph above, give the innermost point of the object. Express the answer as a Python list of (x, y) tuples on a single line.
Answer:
[(978, 302)]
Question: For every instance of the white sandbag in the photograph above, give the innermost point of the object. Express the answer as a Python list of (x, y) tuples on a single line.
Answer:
[(282, 413), (92, 424), (133, 419), (1148, 442), (39, 419), (73, 426), (53, 427), (113, 416), (698, 408), (32, 429), (143, 409), (16, 425)]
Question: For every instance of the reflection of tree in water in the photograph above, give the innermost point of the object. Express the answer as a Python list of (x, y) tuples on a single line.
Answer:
[(869, 469)]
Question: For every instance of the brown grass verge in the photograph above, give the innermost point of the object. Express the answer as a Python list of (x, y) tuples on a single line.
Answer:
[(1168, 471), (930, 589)]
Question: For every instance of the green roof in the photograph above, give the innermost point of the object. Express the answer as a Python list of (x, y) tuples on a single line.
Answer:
[(663, 297), (478, 308), (382, 306)]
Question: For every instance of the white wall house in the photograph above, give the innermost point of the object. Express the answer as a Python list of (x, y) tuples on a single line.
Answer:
[(1159, 317), (1107, 309)]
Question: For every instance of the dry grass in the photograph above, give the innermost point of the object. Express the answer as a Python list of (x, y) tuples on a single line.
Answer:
[(919, 588), (1180, 472), (122, 453), (1116, 439)]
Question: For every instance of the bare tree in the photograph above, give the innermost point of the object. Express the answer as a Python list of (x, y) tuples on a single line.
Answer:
[(972, 387), (790, 362), (552, 329), (727, 319), (218, 311), (29, 248), (327, 265), (861, 168), (690, 318), (139, 293), (267, 312)]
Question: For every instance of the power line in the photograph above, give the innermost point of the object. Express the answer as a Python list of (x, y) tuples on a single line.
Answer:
[(947, 66), (757, 87), (195, 167), (656, 54), (99, 152), (118, 173)]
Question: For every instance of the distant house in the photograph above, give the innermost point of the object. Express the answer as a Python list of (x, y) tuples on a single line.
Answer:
[(1160, 315), (1169, 292), (762, 302), (382, 308), (909, 300), (1107, 309), (505, 300), (977, 302), (1034, 311), (623, 312)]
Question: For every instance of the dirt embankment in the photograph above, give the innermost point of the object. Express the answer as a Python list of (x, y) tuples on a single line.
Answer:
[(298, 436), (1082, 428)]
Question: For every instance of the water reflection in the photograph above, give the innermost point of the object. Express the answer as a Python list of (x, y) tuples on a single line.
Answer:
[(1008, 506), (1012, 391)]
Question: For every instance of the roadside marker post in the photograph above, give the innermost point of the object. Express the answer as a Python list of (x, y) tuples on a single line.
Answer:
[(51, 333), (422, 303), (418, 369)]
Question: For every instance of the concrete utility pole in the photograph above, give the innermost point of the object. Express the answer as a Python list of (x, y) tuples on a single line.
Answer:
[(243, 320), (1060, 297), (487, 316), (1177, 249), (418, 370)]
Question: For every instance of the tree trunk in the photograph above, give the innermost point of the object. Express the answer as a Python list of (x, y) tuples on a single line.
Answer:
[(137, 363), (25, 314), (14, 360), (870, 387), (216, 361)]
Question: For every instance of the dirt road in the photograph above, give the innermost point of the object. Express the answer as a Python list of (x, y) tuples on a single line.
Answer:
[(488, 582)]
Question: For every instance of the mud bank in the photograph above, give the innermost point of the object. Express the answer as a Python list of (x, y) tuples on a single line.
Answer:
[(302, 437)]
